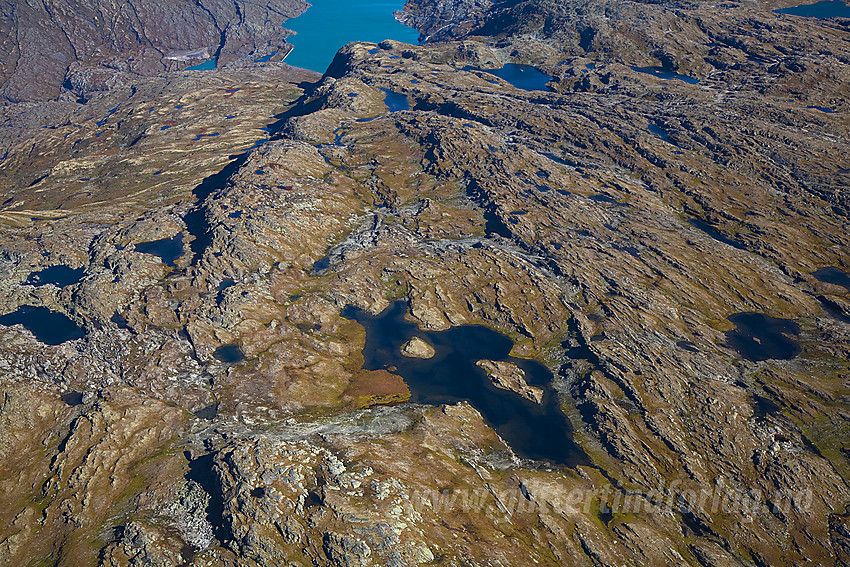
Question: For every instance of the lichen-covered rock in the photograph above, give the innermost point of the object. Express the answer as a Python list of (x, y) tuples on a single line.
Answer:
[(509, 376), (417, 348), (138, 545), (344, 551)]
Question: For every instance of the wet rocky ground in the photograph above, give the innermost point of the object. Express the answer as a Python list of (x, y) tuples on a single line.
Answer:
[(663, 225)]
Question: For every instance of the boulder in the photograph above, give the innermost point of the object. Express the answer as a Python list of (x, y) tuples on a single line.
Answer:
[(509, 376), (417, 348)]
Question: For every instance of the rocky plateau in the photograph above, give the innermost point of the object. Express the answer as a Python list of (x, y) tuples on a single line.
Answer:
[(179, 384)]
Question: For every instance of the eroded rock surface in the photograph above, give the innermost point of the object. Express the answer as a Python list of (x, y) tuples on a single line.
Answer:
[(83, 47), (509, 376), (417, 348)]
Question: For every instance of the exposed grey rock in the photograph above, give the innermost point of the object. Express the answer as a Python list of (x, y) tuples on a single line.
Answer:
[(90, 46), (345, 551), (417, 348), (509, 376)]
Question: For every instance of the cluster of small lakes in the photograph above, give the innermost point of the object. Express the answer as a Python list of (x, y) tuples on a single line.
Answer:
[(328, 25), (314, 50), (451, 374)]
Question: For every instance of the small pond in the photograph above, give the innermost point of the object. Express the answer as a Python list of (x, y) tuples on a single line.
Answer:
[(659, 132), (229, 353), (523, 77), (764, 407), (602, 198), (265, 58), (395, 101), (820, 10), (49, 327), (661, 73), (167, 249), (72, 398), (537, 431), (715, 234), (833, 276), (759, 337), (60, 276), (209, 412)]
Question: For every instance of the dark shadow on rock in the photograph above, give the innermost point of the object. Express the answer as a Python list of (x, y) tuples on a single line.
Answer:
[(201, 470), (196, 220)]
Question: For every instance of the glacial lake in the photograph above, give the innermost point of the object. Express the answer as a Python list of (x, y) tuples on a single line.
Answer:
[(759, 337), (536, 431), (524, 77), (820, 10), (205, 66), (49, 327), (60, 276), (329, 24), (167, 249)]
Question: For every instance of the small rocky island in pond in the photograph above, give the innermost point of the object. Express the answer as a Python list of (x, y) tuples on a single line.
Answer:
[(464, 283), (60, 276), (471, 364)]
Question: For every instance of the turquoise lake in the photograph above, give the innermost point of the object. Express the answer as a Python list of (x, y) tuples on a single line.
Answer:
[(329, 24)]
